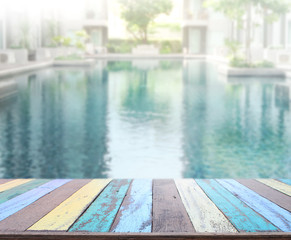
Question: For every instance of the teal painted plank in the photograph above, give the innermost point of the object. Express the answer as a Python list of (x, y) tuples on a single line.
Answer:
[(135, 214), (269, 210), (239, 214), (14, 192), (101, 213), (15, 204), (287, 181)]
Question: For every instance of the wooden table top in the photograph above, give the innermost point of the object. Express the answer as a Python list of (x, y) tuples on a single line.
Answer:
[(145, 208)]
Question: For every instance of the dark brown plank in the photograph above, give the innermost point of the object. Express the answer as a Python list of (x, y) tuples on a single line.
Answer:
[(169, 213), (143, 236), (26, 217), (5, 180), (265, 191)]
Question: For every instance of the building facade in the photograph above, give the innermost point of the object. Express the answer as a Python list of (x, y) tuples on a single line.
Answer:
[(204, 31), (20, 27)]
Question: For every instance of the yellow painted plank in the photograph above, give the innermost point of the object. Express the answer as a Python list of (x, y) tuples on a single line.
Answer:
[(204, 214), (282, 187), (13, 183), (64, 215)]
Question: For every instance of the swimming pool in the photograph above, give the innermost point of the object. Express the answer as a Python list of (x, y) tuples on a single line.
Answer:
[(145, 119)]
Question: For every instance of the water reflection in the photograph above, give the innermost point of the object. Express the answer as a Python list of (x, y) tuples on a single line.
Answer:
[(233, 130), (144, 118), (57, 128)]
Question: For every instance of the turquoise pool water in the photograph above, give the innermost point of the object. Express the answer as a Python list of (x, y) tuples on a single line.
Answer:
[(145, 119)]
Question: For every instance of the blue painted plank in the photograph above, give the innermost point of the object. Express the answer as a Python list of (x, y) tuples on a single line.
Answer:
[(14, 192), (287, 181), (15, 204), (135, 214), (269, 210), (101, 213), (239, 214)]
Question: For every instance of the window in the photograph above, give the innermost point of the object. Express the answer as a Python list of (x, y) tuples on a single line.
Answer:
[(289, 32)]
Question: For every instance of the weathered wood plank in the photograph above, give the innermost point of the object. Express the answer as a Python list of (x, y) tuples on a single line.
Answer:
[(64, 215), (205, 216), (29, 215), (135, 214), (143, 236), (13, 183), (287, 181), (14, 192), (243, 217), (5, 180), (269, 210), (282, 187), (101, 213), (169, 213), (14, 205), (273, 195)]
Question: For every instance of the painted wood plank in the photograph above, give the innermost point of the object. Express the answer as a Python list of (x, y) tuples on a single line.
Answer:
[(5, 180), (14, 205), (282, 187), (205, 216), (169, 213), (287, 181), (63, 216), (14, 192), (242, 217), (13, 183), (265, 191), (135, 214), (269, 210), (29, 215), (101, 213)]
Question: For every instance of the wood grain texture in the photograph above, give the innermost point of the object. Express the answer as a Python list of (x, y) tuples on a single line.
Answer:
[(287, 181), (142, 236), (243, 217), (135, 214), (265, 191), (101, 213), (13, 183), (169, 213), (64, 215), (282, 187), (26, 217), (16, 204), (205, 216), (14, 192), (272, 212)]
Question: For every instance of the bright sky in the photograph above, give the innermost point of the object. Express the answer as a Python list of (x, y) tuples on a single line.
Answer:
[(69, 8)]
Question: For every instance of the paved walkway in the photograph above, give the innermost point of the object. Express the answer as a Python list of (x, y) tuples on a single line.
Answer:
[(12, 69), (178, 208)]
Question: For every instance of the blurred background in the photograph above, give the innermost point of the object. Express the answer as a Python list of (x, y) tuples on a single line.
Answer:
[(175, 26)]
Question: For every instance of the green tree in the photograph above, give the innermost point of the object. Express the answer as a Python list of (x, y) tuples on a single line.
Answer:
[(242, 12), (139, 14)]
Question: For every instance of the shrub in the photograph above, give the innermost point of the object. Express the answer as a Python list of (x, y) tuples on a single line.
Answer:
[(120, 46), (242, 63), (265, 64), (71, 57), (125, 46), (170, 46)]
